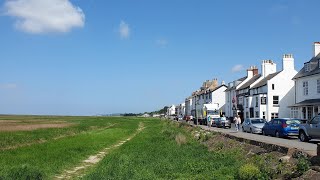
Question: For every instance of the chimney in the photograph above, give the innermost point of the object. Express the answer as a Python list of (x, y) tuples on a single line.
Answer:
[(223, 83), (255, 70), (268, 67), (287, 62), (249, 72), (215, 83), (316, 48)]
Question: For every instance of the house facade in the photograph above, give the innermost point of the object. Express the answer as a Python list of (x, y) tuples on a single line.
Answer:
[(270, 96), (232, 107), (307, 86)]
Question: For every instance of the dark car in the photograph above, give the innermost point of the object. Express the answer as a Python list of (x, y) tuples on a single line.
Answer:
[(223, 122), (281, 127)]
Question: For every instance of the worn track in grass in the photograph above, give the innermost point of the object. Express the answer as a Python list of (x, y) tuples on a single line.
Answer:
[(80, 169)]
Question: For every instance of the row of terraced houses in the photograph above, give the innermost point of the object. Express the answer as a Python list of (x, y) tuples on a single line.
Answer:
[(268, 94)]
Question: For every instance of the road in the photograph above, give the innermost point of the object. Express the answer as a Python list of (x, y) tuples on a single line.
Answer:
[(290, 142)]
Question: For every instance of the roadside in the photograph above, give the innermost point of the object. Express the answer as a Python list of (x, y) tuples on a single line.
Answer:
[(284, 144)]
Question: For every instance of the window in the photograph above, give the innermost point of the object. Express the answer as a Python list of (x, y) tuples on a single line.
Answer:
[(305, 88), (315, 120), (247, 114), (257, 114), (263, 115), (294, 112), (247, 102), (275, 100), (257, 101), (307, 67), (274, 115), (318, 86), (272, 86), (309, 112)]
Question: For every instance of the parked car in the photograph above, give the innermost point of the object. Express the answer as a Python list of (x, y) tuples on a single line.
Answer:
[(281, 127), (310, 130), (253, 125), (223, 122)]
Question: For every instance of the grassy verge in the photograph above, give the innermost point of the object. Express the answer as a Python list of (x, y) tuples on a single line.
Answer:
[(166, 151), (47, 159)]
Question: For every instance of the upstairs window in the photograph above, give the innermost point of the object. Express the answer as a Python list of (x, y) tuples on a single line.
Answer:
[(257, 101), (307, 67), (272, 86), (318, 86), (305, 88), (275, 100), (247, 102)]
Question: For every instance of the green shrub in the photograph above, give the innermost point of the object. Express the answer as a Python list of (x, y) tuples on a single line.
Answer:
[(303, 164), (249, 172), (26, 172)]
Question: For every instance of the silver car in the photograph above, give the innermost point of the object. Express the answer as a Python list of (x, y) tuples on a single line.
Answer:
[(253, 125), (310, 130)]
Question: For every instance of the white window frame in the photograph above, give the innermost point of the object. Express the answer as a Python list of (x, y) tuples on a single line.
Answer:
[(307, 67), (305, 88)]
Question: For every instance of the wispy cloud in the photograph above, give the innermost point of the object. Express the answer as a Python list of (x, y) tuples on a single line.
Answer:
[(162, 42), (237, 68), (124, 30), (44, 16), (8, 86)]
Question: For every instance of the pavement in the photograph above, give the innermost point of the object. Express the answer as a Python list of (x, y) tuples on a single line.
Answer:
[(291, 142)]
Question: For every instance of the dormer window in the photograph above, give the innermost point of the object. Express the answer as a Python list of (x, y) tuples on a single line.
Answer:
[(307, 67)]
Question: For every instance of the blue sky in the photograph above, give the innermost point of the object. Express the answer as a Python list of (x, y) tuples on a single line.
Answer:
[(86, 57)]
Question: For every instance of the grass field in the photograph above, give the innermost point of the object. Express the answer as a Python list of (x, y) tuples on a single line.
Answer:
[(118, 148)]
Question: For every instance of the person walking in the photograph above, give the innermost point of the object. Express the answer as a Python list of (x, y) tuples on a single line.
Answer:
[(237, 122)]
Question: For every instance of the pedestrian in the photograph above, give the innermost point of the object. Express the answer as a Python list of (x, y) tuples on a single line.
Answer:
[(238, 122)]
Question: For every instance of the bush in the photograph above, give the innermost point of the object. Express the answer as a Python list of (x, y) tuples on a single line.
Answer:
[(249, 172), (303, 164), (25, 172)]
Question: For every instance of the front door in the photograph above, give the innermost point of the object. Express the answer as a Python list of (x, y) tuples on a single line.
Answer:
[(251, 113)]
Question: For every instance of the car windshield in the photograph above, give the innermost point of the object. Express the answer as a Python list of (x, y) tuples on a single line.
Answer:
[(213, 112), (293, 121), (256, 121), (216, 119)]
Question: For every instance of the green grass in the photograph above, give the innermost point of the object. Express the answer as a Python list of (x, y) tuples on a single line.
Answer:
[(20, 138), (155, 154), (54, 156)]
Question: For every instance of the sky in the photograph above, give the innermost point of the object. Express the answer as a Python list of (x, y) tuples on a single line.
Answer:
[(89, 57)]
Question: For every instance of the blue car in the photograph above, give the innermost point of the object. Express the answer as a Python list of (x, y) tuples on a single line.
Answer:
[(281, 127)]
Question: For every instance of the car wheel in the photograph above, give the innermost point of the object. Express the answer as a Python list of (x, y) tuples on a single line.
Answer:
[(303, 137), (264, 133), (277, 134)]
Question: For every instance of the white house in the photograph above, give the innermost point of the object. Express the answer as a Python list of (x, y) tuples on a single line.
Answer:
[(270, 96), (171, 110), (231, 107), (307, 86), (181, 110), (188, 106)]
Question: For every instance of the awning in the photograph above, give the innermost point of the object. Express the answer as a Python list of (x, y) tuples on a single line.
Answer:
[(309, 102)]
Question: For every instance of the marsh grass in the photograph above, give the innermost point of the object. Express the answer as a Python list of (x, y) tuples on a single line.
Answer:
[(47, 159)]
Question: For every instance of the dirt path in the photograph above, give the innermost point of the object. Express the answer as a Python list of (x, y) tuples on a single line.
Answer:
[(79, 170)]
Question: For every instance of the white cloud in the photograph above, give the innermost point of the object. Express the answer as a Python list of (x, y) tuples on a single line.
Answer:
[(162, 42), (237, 68), (124, 30), (44, 16), (8, 86)]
